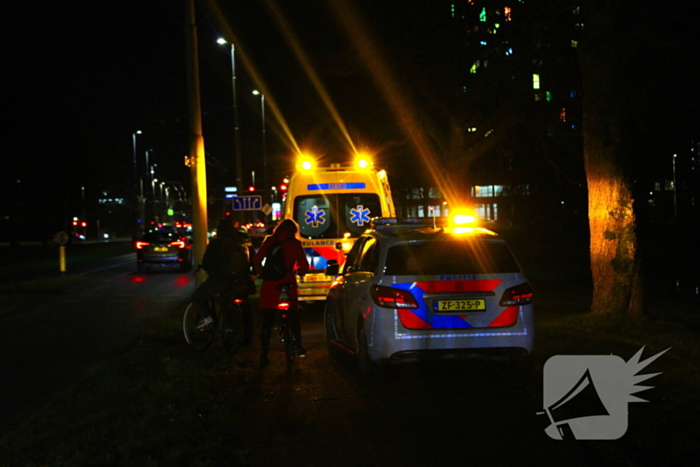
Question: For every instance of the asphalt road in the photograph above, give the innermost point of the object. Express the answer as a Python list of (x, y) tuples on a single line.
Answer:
[(52, 344)]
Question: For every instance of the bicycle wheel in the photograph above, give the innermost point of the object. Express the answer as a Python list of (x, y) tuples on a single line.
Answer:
[(231, 327), (198, 339), (288, 346)]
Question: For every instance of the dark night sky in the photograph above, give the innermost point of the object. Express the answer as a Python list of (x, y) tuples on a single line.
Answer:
[(82, 76)]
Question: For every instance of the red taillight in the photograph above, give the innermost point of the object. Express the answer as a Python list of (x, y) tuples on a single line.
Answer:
[(283, 306), (389, 297), (518, 295), (179, 243), (140, 245)]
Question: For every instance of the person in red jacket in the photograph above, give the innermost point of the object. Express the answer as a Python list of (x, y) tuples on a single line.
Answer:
[(286, 234)]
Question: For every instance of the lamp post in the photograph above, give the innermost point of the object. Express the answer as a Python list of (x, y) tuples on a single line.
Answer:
[(136, 182), (236, 127), (264, 139)]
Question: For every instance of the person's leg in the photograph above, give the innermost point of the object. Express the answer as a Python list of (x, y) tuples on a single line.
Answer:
[(265, 333), (295, 327), (247, 321)]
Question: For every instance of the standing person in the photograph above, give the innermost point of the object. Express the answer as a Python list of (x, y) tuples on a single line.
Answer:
[(227, 263), (285, 237)]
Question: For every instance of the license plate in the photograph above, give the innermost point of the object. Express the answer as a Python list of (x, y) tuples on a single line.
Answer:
[(459, 305), (316, 278), (160, 248)]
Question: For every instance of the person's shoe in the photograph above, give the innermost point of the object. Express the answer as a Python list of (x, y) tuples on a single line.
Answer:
[(263, 361), (205, 322), (301, 352)]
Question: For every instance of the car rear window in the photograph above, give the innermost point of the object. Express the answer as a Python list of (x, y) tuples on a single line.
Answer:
[(160, 236), (450, 257)]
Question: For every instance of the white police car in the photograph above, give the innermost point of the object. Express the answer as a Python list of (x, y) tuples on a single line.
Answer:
[(415, 289)]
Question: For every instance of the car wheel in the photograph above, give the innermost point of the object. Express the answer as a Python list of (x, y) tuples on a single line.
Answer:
[(369, 369)]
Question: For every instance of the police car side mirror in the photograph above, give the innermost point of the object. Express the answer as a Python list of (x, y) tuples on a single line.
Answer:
[(332, 268)]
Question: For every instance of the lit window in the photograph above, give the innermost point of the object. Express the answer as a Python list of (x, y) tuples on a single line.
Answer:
[(535, 81), (482, 15), (506, 13), (483, 43), (509, 51), (538, 96), (562, 114), (574, 44), (473, 68), (548, 96)]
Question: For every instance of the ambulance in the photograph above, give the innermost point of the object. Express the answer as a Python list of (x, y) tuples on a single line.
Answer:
[(333, 206)]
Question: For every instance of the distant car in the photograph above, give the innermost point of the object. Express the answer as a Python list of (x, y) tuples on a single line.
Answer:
[(163, 248), (412, 291)]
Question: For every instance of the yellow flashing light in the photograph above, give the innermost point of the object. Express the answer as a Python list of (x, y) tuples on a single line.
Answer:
[(363, 161), (462, 222), (306, 162)]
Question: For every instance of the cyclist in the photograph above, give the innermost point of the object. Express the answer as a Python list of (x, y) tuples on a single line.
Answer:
[(227, 263), (286, 234)]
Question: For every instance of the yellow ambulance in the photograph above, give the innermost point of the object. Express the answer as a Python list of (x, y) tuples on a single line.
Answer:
[(333, 205)]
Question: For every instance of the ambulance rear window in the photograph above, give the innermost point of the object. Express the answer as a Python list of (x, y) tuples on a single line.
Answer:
[(332, 215), (450, 257)]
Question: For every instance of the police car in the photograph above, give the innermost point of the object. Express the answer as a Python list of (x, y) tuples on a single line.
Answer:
[(415, 289)]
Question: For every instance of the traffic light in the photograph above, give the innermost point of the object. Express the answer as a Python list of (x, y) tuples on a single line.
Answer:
[(251, 188)]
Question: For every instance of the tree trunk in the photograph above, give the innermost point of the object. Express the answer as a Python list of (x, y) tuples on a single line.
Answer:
[(613, 240)]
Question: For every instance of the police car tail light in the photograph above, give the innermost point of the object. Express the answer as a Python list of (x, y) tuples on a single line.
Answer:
[(179, 243), (389, 297), (518, 295), (140, 245)]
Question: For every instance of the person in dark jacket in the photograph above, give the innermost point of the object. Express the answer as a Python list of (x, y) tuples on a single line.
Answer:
[(296, 263), (227, 263)]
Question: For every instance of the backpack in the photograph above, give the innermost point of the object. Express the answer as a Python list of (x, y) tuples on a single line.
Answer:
[(275, 266), (226, 259)]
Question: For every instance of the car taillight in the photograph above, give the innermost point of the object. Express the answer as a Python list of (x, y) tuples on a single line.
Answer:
[(180, 244), (140, 245), (389, 297), (518, 295)]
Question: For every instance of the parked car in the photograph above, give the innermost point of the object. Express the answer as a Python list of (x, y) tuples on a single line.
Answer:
[(163, 248), (417, 289)]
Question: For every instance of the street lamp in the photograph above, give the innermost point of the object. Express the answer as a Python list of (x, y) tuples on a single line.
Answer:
[(136, 178), (236, 128), (264, 142)]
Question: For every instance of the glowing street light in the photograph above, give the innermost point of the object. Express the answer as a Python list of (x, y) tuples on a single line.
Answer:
[(236, 134)]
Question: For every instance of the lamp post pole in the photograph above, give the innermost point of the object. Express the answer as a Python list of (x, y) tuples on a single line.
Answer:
[(264, 143), (236, 123), (136, 181)]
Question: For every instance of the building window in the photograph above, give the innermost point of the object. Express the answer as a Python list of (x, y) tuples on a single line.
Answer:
[(574, 44), (482, 15), (562, 114), (535, 81), (506, 13), (487, 191)]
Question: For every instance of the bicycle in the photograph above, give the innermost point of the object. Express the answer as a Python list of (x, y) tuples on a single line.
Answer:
[(226, 326), (286, 336)]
